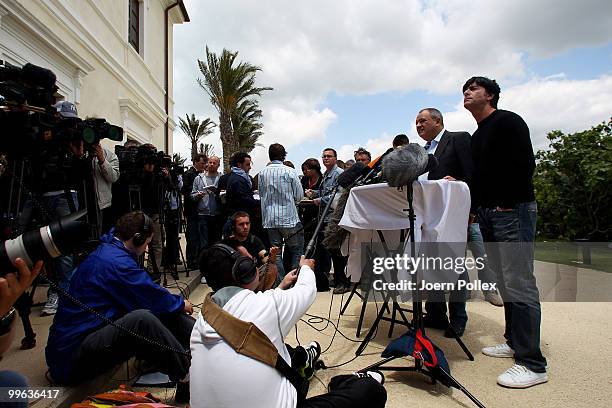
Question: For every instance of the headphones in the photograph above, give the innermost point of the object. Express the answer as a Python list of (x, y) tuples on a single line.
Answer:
[(141, 236), (244, 269)]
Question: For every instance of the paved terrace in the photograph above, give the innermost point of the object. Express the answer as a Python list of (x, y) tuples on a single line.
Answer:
[(576, 339)]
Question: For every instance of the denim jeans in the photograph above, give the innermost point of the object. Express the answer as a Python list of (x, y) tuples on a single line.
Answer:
[(294, 243), (509, 236), (476, 246), (54, 207)]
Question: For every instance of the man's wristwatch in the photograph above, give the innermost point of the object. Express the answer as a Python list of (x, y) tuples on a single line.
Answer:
[(6, 321)]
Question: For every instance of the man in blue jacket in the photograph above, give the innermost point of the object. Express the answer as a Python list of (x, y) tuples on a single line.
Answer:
[(110, 281)]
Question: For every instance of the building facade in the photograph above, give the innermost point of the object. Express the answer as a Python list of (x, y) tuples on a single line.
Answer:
[(108, 56)]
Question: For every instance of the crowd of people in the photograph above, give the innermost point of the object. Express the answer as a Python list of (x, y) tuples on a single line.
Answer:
[(247, 236)]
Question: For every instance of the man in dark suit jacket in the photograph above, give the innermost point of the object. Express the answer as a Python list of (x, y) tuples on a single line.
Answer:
[(454, 153)]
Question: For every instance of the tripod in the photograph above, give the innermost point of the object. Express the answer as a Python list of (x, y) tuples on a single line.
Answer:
[(435, 372)]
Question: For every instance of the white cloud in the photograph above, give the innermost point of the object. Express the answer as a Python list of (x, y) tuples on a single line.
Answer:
[(376, 147), (308, 50), (549, 104)]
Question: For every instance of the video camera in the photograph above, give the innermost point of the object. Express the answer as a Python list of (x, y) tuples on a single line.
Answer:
[(32, 123)]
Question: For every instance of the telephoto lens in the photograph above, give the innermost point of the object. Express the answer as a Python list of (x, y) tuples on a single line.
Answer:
[(60, 237)]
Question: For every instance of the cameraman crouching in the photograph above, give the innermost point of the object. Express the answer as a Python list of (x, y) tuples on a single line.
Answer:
[(110, 281), (222, 377)]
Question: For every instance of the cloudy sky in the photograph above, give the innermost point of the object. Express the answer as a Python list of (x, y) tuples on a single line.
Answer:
[(350, 73)]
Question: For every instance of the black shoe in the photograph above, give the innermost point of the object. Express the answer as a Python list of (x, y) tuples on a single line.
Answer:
[(433, 323), (459, 329), (182, 393), (340, 289), (323, 289)]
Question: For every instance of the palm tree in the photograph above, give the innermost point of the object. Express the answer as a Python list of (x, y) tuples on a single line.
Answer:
[(228, 85), (206, 149), (246, 125), (195, 130), (178, 160)]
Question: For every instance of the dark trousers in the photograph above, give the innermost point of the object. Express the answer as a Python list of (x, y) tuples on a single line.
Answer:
[(324, 259), (509, 236), (192, 246), (436, 304), (209, 229), (351, 392), (171, 225), (109, 346)]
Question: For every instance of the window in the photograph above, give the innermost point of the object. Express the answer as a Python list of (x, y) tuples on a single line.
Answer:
[(134, 25)]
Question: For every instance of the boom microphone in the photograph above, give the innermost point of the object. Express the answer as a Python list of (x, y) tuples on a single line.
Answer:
[(403, 166)]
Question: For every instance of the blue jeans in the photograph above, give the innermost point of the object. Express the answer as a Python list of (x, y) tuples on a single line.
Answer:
[(54, 207), (509, 236), (294, 244), (476, 245)]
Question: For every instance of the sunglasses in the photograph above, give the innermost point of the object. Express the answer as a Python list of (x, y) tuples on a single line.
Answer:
[(327, 156)]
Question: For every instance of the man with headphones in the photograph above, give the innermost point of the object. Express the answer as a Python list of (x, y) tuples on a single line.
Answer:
[(241, 236), (148, 322), (223, 376)]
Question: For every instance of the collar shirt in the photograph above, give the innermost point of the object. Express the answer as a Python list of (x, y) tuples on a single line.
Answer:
[(330, 180), (433, 145), (280, 190)]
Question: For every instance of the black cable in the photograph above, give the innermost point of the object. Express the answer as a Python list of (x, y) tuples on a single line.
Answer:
[(108, 321)]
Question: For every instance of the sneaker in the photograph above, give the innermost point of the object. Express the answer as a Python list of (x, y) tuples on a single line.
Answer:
[(51, 305), (499, 350), (493, 298), (519, 376), (313, 352), (375, 374), (203, 280)]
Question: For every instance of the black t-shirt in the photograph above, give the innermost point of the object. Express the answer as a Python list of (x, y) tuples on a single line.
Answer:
[(503, 161), (252, 244)]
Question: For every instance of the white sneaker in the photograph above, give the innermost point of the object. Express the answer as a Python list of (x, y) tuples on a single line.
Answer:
[(519, 376), (203, 280), (375, 374), (51, 305), (499, 350)]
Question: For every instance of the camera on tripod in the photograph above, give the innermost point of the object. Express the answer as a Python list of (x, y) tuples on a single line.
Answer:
[(32, 122)]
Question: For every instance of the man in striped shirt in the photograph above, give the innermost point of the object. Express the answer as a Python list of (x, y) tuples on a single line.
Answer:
[(280, 191)]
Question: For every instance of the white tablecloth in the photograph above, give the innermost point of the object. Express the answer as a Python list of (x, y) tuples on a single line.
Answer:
[(441, 208)]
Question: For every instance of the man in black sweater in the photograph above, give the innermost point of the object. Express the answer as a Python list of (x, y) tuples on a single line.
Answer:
[(502, 191)]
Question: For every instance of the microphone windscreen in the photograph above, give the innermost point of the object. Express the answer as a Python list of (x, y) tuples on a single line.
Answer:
[(348, 177), (39, 76), (402, 166)]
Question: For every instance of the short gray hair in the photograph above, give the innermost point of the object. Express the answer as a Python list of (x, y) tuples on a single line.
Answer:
[(435, 113)]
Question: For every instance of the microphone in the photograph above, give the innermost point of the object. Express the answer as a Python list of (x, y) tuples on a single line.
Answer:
[(351, 175), (403, 166)]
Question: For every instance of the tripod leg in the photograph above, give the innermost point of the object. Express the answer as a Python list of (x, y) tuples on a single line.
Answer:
[(23, 306), (349, 298), (460, 342), (370, 334)]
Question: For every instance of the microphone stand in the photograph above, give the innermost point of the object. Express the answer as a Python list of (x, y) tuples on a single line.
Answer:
[(310, 248)]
